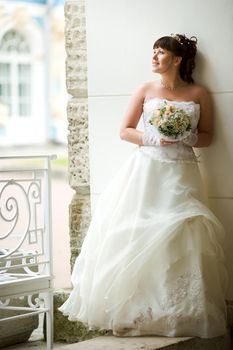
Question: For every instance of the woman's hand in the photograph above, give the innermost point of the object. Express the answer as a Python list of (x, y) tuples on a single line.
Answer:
[(150, 139), (191, 139), (164, 142)]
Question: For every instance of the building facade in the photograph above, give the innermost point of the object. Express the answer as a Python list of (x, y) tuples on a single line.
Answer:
[(32, 72)]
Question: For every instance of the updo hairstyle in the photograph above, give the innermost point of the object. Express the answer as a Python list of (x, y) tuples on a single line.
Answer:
[(181, 46)]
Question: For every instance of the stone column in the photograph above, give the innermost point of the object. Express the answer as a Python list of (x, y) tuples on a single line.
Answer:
[(77, 113)]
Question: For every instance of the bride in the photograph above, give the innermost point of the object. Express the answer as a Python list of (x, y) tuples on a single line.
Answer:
[(152, 261)]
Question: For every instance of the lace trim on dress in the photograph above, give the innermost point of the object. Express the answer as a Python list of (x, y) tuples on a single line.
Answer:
[(144, 317), (149, 100), (169, 156), (133, 329), (189, 287)]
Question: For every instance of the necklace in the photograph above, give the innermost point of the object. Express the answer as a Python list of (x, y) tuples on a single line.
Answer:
[(166, 86)]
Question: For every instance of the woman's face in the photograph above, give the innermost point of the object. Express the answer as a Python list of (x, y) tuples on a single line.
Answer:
[(162, 60)]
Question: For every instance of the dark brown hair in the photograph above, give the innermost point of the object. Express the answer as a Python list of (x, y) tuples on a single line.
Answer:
[(181, 46)]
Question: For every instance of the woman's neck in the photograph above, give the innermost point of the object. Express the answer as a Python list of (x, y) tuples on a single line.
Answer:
[(171, 81)]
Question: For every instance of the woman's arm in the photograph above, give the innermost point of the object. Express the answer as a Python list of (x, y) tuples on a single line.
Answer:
[(205, 125), (133, 113)]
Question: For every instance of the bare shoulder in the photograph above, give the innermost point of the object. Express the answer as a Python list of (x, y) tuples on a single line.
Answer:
[(203, 97), (145, 87), (147, 90), (200, 94)]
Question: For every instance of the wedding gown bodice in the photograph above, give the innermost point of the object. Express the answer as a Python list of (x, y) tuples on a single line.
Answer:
[(172, 152)]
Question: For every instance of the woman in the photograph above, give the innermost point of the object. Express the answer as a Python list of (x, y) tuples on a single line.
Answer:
[(152, 261)]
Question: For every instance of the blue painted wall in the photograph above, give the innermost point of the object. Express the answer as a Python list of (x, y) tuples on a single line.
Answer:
[(43, 2)]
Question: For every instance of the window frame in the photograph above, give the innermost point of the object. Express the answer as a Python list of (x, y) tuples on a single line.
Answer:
[(15, 59)]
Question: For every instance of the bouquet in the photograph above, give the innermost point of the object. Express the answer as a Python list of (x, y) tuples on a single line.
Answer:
[(171, 121)]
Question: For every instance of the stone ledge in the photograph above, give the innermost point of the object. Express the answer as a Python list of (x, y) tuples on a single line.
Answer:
[(127, 343), (152, 343)]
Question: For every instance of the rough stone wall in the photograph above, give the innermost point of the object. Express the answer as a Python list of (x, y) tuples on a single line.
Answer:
[(78, 151), (77, 112), (79, 222)]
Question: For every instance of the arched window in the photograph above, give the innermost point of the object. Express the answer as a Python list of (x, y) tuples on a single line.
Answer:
[(15, 74)]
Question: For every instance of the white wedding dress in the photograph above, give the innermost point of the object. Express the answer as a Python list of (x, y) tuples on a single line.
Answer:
[(152, 261)]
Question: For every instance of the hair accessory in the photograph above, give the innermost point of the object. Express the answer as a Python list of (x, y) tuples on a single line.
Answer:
[(177, 38)]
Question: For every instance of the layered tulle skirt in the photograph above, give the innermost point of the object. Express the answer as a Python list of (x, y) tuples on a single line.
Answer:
[(152, 261)]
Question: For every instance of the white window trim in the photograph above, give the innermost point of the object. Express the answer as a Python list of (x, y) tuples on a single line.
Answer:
[(37, 126)]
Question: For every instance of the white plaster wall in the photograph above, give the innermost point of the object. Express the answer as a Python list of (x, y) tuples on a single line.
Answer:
[(120, 36)]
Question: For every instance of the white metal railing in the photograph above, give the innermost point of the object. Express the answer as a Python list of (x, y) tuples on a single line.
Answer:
[(26, 238)]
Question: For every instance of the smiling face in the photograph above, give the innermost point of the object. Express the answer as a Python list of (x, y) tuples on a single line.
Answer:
[(163, 60)]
